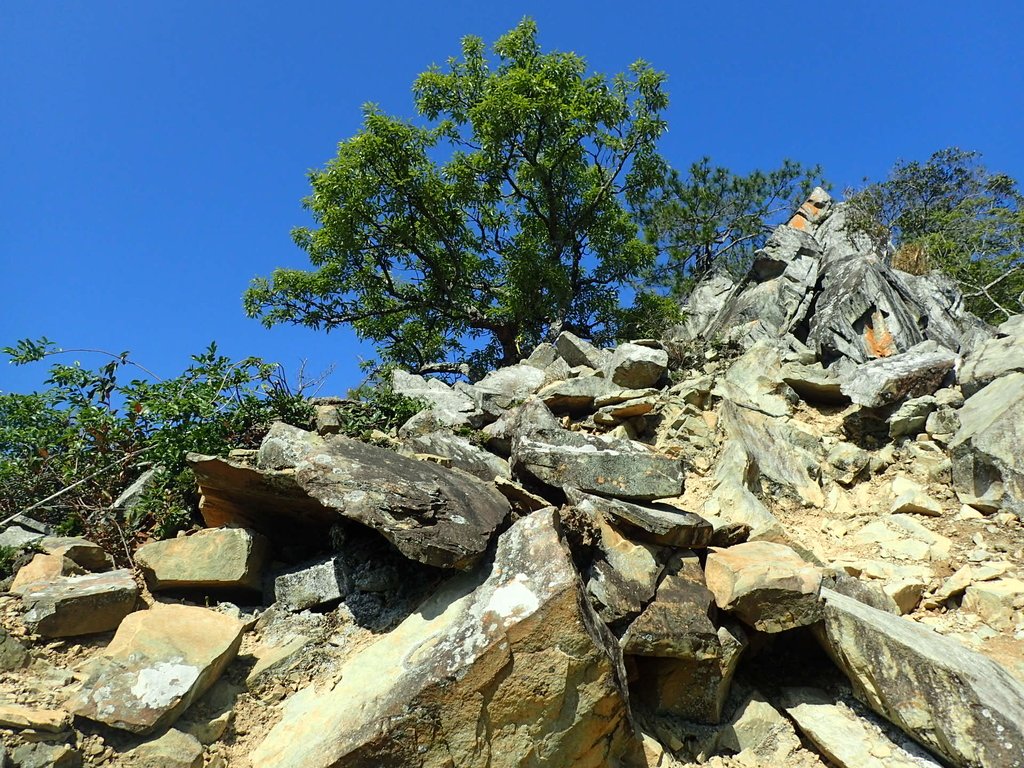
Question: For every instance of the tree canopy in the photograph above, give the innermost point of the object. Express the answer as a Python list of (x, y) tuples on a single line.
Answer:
[(950, 213), (711, 218), (499, 218)]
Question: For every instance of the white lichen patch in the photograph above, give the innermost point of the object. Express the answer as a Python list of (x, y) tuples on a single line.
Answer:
[(163, 684), (514, 600)]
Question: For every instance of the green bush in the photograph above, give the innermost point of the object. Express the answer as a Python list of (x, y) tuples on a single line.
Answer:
[(90, 433)]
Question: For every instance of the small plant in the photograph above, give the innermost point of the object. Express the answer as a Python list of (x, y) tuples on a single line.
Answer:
[(68, 451), (376, 406)]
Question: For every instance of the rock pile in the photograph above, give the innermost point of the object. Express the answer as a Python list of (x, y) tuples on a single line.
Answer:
[(787, 534)]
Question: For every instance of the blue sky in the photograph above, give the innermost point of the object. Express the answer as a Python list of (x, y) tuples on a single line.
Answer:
[(153, 155)]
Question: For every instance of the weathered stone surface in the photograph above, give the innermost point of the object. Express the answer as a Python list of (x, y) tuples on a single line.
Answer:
[(999, 603), (766, 585), (703, 305), (43, 568), (79, 605), (52, 720), (813, 383), (172, 750), (988, 449), (431, 514), (462, 453), (916, 372), (85, 553), (576, 395), (759, 734), (158, 663), (731, 499), (909, 497), (847, 462), (505, 386), (542, 356), (663, 524), (954, 701), (214, 558), (634, 367), (473, 661), (16, 537), (995, 358), (844, 738), (446, 406), (912, 415), (311, 585), (41, 755), (13, 654), (575, 351), (613, 467), (779, 449), (623, 576)]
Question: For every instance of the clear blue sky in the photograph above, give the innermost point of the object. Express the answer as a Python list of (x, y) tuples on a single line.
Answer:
[(153, 154)]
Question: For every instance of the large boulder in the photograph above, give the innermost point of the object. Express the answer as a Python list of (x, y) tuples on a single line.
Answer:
[(634, 367), (595, 464), (916, 372), (954, 701), (511, 671), (995, 358), (988, 448), (158, 663), (661, 525), (431, 514)]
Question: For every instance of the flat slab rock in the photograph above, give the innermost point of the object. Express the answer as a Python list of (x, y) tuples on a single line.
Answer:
[(662, 525), (158, 663), (612, 467), (916, 372), (215, 558), (431, 514), (79, 605), (958, 703), (511, 670)]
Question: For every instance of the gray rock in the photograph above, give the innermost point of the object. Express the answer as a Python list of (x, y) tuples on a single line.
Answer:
[(462, 453), (16, 537), (431, 514), (912, 415), (732, 499), (13, 654), (133, 494), (814, 383), (779, 449), (41, 755), (609, 466), (576, 395), (79, 605), (312, 585), (916, 372), (557, 702), (759, 734), (995, 358), (634, 367), (575, 351), (447, 407), (703, 305), (504, 387), (954, 701), (847, 462), (988, 449), (662, 525), (843, 737), (543, 355), (622, 578)]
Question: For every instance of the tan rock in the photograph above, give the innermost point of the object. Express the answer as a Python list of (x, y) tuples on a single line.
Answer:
[(43, 568), (18, 717), (172, 750), (214, 558), (158, 663), (766, 585), (78, 550), (998, 603), (513, 671)]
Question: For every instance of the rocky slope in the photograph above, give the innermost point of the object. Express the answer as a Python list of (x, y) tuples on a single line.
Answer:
[(789, 533)]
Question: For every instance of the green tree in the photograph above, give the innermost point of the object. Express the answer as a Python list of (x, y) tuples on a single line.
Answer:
[(712, 218), (950, 213), (496, 220)]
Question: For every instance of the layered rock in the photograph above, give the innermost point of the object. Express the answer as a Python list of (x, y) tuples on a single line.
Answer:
[(472, 680)]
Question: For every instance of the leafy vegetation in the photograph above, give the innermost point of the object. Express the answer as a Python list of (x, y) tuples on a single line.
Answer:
[(68, 451), (375, 407), (500, 223), (950, 213), (711, 218)]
